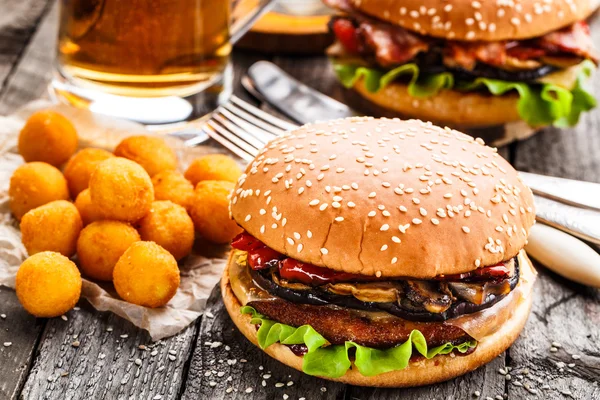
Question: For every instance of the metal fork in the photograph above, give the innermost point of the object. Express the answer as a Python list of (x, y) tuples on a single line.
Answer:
[(241, 128)]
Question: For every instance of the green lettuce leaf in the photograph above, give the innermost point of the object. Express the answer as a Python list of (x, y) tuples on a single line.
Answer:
[(333, 361), (375, 80), (539, 103)]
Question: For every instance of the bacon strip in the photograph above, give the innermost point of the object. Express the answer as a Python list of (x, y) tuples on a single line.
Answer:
[(392, 45), (574, 39)]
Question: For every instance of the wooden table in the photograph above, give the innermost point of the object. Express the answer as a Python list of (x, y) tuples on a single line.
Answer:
[(93, 355)]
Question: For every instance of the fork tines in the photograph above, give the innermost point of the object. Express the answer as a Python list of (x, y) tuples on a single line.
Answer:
[(244, 129)]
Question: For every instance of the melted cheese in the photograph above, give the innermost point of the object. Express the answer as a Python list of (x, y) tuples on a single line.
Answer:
[(564, 78)]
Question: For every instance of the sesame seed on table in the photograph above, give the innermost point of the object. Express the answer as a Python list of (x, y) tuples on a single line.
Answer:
[(93, 355)]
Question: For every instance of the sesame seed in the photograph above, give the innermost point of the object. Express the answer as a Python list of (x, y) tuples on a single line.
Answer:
[(396, 239), (435, 221), (416, 221), (323, 206), (324, 251), (384, 247), (423, 211), (402, 208), (466, 229), (372, 194)]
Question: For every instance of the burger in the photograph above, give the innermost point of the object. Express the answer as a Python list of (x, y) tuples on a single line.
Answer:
[(380, 252), (468, 63)]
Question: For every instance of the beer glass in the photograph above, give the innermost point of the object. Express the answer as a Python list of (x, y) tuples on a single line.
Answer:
[(153, 61)]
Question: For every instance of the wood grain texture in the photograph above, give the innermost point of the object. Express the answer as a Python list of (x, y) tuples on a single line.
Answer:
[(565, 315), (225, 365), (30, 76), (95, 355), (18, 21), (19, 333)]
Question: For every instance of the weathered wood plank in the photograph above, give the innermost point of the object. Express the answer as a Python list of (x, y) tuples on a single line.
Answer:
[(225, 365), (19, 332), (96, 355), (18, 22), (29, 79), (565, 315)]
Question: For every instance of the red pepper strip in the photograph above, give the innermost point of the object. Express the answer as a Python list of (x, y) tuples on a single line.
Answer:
[(297, 271), (259, 258), (498, 271), (246, 242)]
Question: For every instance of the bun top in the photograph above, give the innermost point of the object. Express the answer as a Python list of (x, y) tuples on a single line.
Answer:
[(478, 19), (384, 197)]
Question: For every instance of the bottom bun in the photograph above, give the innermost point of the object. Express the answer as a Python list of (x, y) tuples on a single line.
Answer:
[(418, 373), (452, 107)]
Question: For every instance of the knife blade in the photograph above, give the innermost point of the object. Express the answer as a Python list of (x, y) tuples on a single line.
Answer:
[(298, 101)]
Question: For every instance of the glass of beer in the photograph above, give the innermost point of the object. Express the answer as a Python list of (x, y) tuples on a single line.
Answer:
[(153, 61)]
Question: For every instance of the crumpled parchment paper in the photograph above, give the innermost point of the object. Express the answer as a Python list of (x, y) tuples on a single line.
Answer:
[(200, 271)]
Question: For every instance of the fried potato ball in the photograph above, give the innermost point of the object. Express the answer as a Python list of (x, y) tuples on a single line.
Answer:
[(52, 227), (213, 167), (80, 167), (100, 245), (48, 284), (88, 211), (35, 184), (121, 189), (152, 153), (49, 137), (172, 185), (147, 275), (168, 225), (210, 211)]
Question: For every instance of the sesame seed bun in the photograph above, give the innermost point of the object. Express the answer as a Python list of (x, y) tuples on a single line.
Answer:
[(478, 19), (417, 373), (467, 109), (384, 197)]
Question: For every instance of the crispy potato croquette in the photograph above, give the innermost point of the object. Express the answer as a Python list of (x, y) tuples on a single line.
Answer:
[(121, 189), (52, 227), (100, 245), (213, 167), (168, 225), (210, 211), (88, 211), (35, 184), (152, 153), (172, 185), (80, 167), (147, 275), (48, 284), (49, 137)]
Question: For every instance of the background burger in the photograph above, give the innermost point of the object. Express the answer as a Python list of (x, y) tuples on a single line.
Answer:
[(380, 252), (468, 63)]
